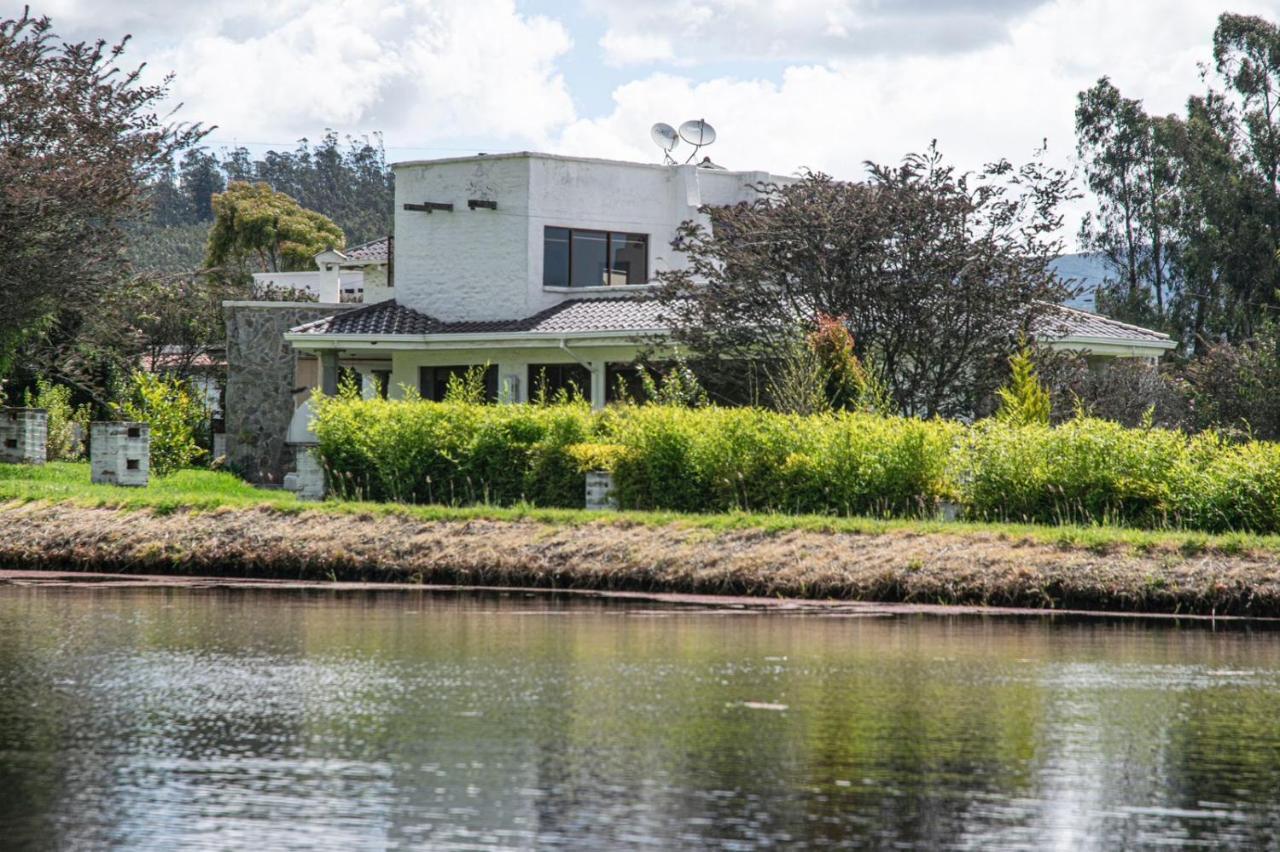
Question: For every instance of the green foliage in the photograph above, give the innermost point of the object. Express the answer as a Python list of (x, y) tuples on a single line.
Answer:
[(1024, 401), (592, 456), (255, 224), (176, 415), (468, 387), (68, 425), (677, 385), (712, 459), (1097, 471), (452, 452), (663, 456), (797, 380)]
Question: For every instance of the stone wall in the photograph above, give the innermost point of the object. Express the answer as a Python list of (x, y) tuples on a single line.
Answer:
[(261, 378)]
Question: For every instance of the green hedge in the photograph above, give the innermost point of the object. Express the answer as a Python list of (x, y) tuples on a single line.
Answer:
[(721, 459), (450, 452)]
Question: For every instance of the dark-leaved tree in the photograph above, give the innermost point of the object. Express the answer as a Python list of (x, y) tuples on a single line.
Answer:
[(79, 138), (935, 273)]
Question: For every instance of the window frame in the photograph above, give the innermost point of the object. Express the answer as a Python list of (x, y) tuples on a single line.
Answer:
[(608, 254)]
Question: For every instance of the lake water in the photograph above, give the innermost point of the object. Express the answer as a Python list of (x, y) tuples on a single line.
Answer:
[(171, 718)]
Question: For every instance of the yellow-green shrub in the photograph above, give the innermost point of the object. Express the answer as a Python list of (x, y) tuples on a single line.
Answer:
[(722, 459), (451, 452), (1083, 471)]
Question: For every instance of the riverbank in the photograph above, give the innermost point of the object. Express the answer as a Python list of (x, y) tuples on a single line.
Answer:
[(202, 524)]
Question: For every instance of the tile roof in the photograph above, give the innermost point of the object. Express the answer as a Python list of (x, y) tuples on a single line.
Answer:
[(374, 251), (569, 317), (1063, 321), (641, 315)]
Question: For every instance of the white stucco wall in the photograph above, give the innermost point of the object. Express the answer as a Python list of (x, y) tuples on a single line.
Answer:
[(487, 264), (375, 285), (319, 283), (463, 264)]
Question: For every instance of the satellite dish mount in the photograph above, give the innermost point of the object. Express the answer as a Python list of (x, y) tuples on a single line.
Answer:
[(696, 132)]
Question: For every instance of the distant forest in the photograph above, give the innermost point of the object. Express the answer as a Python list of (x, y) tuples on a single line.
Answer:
[(347, 180)]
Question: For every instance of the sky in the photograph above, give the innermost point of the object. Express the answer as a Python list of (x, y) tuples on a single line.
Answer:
[(789, 85)]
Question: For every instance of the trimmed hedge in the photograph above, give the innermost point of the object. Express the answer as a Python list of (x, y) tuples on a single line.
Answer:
[(725, 459)]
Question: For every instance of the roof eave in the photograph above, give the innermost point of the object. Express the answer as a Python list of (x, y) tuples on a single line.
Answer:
[(1102, 345), (512, 339)]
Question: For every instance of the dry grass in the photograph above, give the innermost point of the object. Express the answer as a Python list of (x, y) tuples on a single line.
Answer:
[(901, 564)]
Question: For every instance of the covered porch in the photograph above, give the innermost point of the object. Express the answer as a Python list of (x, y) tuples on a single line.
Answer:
[(395, 352)]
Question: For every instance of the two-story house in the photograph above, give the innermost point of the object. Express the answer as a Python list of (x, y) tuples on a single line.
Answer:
[(536, 265), (539, 267)]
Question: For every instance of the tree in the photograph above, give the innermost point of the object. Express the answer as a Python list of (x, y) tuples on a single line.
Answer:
[(201, 179), (254, 224), (1024, 401), (1189, 206), (1128, 168), (79, 138), (934, 272)]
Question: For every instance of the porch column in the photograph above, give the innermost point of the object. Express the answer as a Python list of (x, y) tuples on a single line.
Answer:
[(329, 371), (597, 385)]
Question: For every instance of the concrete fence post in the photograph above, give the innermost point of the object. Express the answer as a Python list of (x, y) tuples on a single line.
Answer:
[(24, 435), (600, 490), (120, 453)]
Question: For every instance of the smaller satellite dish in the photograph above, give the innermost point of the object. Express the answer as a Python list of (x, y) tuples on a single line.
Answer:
[(664, 136), (698, 132)]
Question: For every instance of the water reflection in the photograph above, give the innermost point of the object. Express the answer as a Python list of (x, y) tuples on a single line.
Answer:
[(151, 719)]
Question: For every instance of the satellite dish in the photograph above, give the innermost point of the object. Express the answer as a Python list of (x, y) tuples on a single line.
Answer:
[(664, 136), (697, 132)]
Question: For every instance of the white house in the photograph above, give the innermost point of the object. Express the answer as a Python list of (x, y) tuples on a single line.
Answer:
[(539, 265), (357, 274)]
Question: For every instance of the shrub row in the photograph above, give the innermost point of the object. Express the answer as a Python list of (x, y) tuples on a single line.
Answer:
[(721, 459)]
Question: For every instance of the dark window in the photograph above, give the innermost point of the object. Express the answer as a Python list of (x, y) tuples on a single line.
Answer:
[(555, 258), (620, 380), (588, 256), (383, 380), (628, 259), (574, 257), (433, 382), (550, 379)]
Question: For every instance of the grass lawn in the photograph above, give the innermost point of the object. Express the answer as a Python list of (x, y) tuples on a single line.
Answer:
[(202, 490)]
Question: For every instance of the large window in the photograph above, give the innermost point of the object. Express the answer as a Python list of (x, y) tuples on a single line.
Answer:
[(548, 380), (573, 257), (433, 382)]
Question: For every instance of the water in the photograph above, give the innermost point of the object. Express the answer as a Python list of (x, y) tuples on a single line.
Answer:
[(158, 719)]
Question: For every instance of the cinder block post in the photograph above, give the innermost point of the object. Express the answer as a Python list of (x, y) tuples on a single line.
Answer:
[(120, 453), (24, 435)]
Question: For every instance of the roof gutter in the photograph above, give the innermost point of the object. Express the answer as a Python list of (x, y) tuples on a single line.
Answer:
[(1114, 341)]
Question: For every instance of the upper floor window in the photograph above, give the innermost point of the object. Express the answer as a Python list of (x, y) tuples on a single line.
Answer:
[(574, 257)]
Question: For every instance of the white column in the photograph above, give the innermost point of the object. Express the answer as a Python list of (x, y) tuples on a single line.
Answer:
[(597, 385)]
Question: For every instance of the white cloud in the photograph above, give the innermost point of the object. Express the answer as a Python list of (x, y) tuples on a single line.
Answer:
[(419, 70), (1001, 100), (803, 30), (861, 79), (629, 49)]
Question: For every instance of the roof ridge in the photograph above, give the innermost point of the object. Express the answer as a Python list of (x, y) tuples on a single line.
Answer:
[(367, 243)]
